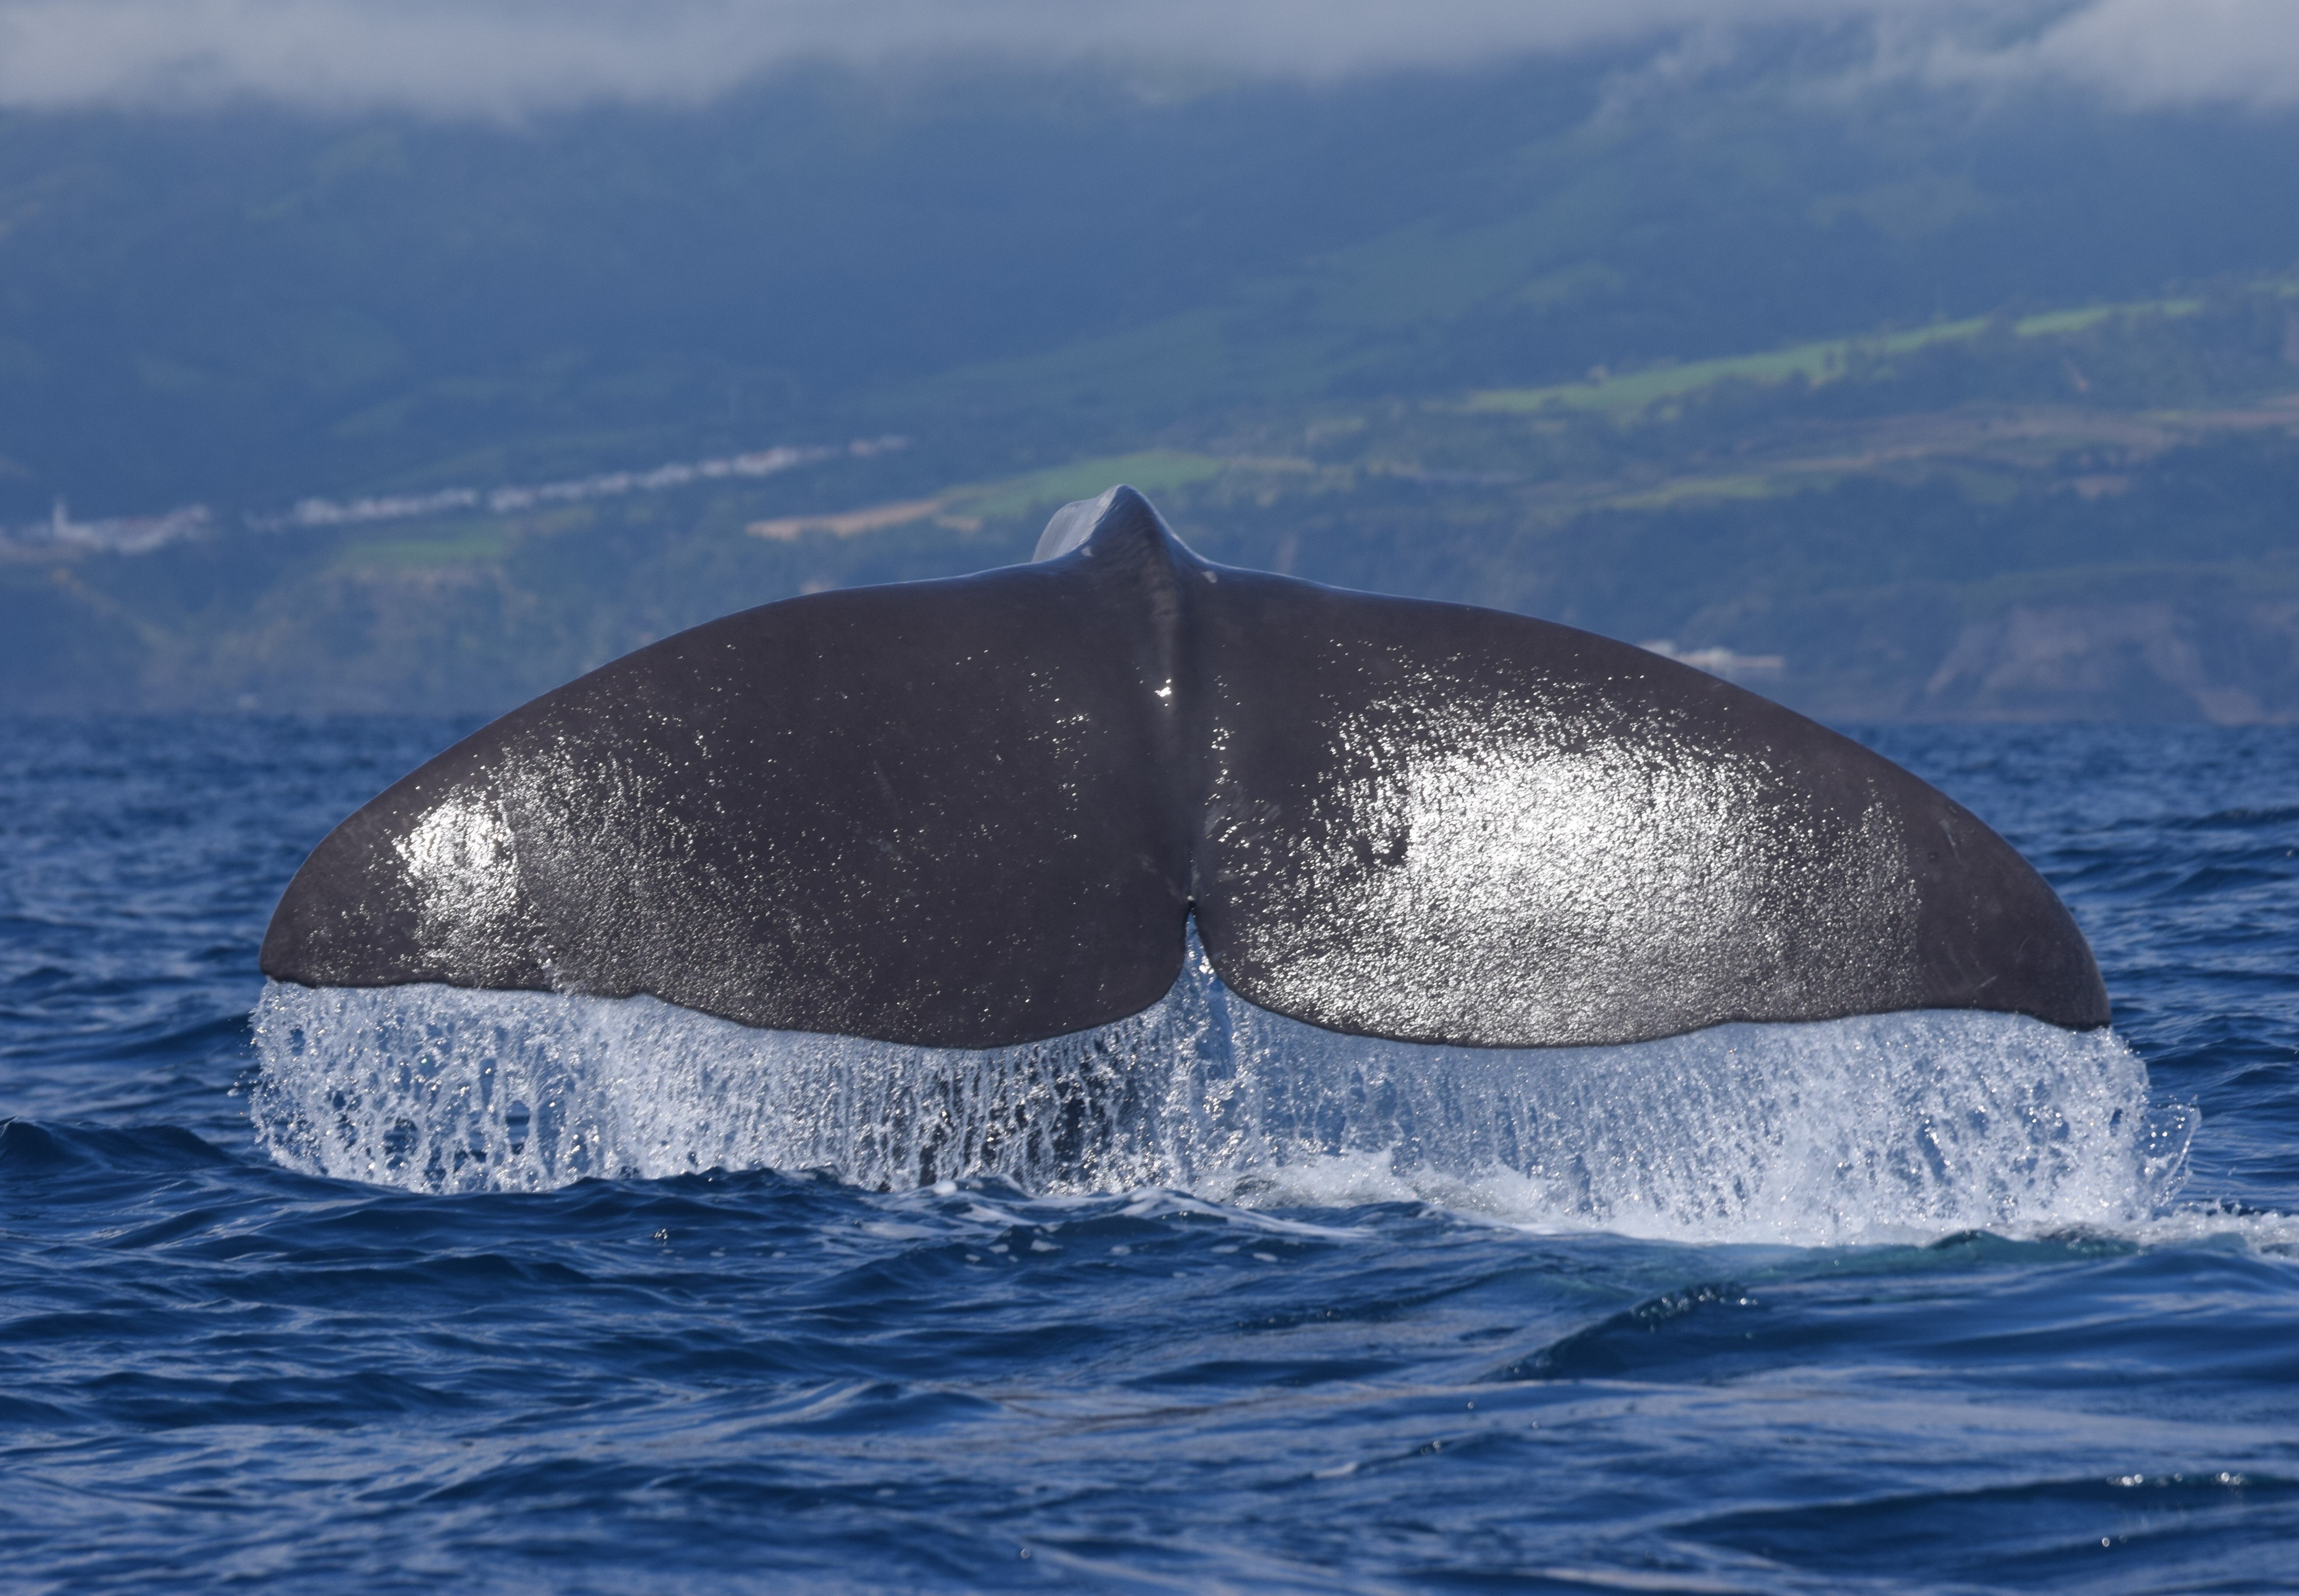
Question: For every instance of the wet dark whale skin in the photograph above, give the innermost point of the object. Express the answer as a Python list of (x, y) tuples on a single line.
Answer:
[(979, 812)]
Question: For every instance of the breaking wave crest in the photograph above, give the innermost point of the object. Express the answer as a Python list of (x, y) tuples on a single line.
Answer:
[(1882, 1128)]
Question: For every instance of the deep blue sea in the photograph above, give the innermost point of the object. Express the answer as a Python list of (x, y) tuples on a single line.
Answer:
[(219, 1370)]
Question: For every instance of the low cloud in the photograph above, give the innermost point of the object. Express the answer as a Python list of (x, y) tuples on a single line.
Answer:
[(2153, 53), (507, 58)]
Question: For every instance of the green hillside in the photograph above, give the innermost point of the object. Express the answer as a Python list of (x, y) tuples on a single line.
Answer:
[(1993, 516)]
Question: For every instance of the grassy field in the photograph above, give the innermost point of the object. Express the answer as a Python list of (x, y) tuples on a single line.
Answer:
[(1825, 360)]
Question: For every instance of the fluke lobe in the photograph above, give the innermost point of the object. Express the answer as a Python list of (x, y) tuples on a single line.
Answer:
[(980, 812)]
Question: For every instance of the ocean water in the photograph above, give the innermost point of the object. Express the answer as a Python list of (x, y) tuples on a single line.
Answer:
[(440, 1291)]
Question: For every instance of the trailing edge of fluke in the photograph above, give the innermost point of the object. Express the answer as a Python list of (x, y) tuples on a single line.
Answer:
[(980, 812)]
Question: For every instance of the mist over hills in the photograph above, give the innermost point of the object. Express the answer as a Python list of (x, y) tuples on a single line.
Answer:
[(1947, 404)]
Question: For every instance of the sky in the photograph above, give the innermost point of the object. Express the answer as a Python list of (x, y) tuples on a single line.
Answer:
[(505, 58)]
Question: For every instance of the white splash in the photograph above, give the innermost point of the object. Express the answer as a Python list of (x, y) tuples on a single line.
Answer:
[(1889, 1128)]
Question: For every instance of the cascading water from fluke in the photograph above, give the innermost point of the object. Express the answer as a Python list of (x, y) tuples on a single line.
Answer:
[(910, 882), (1872, 1129)]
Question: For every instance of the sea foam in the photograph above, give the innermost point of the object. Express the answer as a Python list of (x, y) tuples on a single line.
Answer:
[(1882, 1128)]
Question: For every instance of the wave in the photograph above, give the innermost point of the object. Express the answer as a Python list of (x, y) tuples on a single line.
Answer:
[(1883, 1128)]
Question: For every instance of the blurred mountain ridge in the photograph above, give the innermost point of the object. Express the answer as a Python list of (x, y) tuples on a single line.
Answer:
[(1956, 407)]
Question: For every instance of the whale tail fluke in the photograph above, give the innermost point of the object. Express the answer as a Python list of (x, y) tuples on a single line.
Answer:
[(979, 812)]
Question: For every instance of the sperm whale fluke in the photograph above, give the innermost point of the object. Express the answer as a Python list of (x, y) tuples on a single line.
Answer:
[(978, 812)]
